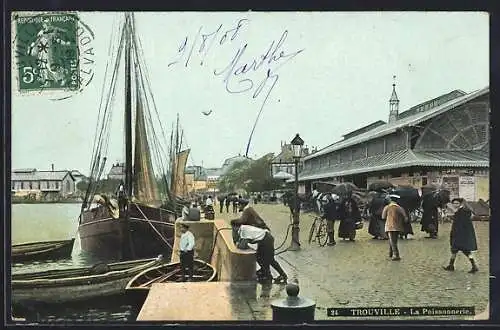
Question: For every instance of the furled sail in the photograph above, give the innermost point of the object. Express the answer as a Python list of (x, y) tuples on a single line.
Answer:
[(145, 185), (180, 185)]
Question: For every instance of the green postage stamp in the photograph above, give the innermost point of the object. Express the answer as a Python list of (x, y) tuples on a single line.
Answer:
[(46, 51)]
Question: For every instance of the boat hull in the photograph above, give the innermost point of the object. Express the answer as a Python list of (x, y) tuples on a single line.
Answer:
[(53, 250), (137, 289), (122, 239), (68, 286), (59, 295)]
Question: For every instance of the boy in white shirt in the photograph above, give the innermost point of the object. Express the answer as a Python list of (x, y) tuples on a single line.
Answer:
[(186, 252)]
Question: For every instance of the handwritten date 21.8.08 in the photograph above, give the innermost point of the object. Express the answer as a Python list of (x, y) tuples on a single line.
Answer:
[(235, 74)]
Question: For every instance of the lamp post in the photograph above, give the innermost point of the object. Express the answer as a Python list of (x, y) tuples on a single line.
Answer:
[(297, 144)]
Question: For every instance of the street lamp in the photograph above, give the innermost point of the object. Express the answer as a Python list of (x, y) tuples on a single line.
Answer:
[(297, 144)]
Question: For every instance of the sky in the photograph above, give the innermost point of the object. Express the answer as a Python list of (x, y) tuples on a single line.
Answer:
[(323, 74)]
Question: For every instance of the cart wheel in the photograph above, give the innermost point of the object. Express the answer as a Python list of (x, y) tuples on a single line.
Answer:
[(311, 231), (322, 235)]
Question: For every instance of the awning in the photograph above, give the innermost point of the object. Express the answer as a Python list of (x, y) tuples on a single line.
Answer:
[(282, 175), (400, 159)]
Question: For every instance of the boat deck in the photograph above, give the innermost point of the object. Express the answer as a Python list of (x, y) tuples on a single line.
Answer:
[(201, 301)]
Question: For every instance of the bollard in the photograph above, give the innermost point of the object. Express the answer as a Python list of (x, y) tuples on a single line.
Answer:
[(293, 309)]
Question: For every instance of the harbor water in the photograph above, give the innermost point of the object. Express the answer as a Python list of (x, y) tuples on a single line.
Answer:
[(48, 222)]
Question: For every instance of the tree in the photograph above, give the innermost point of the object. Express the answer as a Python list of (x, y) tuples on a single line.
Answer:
[(235, 177), (250, 175), (82, 185)]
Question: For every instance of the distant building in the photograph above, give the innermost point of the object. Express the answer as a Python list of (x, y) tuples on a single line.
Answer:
[(284, 161), (78, 176), (212, 178), (27, 181), (205, 180), (117, 172)]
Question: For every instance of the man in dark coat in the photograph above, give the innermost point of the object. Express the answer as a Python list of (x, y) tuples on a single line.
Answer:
[(462, 235), (331, 213), (228, 202), (291, 203), (235, 204), (249, 216), (221, 202)]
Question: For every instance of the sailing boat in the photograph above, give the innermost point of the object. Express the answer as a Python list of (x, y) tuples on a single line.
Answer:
[(179, 158), (141, 223)]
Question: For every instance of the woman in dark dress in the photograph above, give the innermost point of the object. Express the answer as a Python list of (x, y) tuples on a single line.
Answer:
[(376, 224), (462, 234), (349, 213), (407, 228), (429, 220)]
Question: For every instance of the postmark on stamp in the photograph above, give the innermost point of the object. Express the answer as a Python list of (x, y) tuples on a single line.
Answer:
[(53, 53), (51, 58)]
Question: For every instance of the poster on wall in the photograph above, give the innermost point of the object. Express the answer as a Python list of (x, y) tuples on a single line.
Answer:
[(482, 184), (400, 181), (467, 188), (302, 189), (451, 183)]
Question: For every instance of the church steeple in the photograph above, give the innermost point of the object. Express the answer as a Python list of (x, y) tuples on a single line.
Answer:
[(393, 103)]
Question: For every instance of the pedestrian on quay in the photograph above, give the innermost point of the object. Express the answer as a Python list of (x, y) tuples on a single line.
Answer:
[(250, 217), (209, 201), (265, 251), (376, 226), (331, 213), (430, 222), (349, 214), (407, 227), (462, 234), (186, 252), (221, 202), (235, 204), (190, 212), (316, 197), (228, 202), (394, 216)]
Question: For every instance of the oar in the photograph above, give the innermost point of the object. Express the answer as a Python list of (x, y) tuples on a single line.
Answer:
[(161, 278)]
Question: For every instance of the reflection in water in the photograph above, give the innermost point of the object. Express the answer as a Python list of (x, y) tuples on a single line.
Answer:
[(78, 259), (48, 222)]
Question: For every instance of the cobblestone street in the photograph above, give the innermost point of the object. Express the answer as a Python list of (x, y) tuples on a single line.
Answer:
[(359, 274)]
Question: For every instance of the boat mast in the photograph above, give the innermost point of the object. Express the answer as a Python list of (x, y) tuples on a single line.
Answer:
[(177, 148), (128, 109)]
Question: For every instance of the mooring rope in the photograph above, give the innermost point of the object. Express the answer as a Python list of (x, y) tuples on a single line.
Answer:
[(215, 240), (290, 225), (156, 230)]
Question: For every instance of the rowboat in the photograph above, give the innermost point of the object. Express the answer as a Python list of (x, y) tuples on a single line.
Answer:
[(49, 250), (77, 284), (138, 287)]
